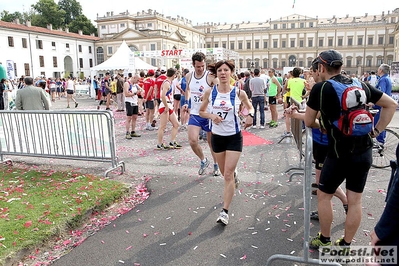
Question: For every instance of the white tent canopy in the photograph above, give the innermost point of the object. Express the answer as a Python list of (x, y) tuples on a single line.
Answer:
[(122, 59)]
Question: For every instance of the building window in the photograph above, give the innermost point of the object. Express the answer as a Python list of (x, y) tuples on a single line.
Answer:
[(122, 25), (109, 48), (90, 62), (302, 25), (216, 45), (89, 49), (27, 69), (100, 55), (358, 62), (208, 45), (231, 45), (10, 41), (274, 64), (379, 61), (248, 45), (103, 27), (224, 45), (275, 26), (292, 25), (310, 42), (283, 64), (300, 43), (80, 48), (391, 39), (311, 24), (275, 43), (39, 44), (256, 44), (380, 40), (309, 63), (55, 63), (330, 42), (265, 63), (41, 61), (208, 30), (370, 41), (321, 41), (360, 41), (368, 62), (239, 45), (292, 43), (152, 47), (340, 41), (149, 25), (348, 62), (350, 41), (284, 26), (24, 43), (67, 46), (283, 44), (300, 63), (248, 64), (81, 62), (241, 63), (264, 44)]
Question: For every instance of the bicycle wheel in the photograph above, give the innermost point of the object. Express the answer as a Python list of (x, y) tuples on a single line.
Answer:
[(383, 154)]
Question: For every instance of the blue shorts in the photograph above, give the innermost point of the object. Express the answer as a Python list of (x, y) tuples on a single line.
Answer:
[(203, 123), (182, 100)]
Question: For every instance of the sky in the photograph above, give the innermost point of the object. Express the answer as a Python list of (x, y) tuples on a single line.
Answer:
[(232, 11)]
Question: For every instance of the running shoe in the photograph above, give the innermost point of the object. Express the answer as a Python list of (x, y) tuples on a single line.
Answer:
[(346, 248), (162, 147), (236, 179), (216, 170), (203, 166), (286, 134), (174, 145), (150, 128), (223, 218), (315, 243), (314, 215), (134, 134), (128, 136), (76, 104)]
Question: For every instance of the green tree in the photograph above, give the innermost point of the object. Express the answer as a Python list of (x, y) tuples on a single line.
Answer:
[(48, 12), (72, 9), (10, 17), (84, 24)]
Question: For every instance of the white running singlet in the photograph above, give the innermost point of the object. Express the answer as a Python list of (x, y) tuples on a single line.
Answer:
[(225, 105), (197, 87)]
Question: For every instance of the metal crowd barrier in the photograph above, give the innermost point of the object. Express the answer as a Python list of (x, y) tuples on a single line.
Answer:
[(75, 135), (306, 219)]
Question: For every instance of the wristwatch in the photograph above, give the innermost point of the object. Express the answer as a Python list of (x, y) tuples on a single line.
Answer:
[(251, 115)]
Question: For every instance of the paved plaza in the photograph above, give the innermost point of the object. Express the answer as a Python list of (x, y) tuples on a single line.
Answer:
[(177, 225)]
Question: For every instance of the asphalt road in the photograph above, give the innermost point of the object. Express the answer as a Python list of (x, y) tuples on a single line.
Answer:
[(177, 225)]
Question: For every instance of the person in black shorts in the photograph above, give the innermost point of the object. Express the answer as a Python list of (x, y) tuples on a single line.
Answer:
[(349, 157)]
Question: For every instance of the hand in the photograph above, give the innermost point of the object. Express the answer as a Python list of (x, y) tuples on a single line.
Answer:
[(185, 107), (248, 122), (279, 100), (216, 119), (374, 133), (374, 238)]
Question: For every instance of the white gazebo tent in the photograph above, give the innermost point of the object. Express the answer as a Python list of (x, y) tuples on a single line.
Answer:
[(122, 59)]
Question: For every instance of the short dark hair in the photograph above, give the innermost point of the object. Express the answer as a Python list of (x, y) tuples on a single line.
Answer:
[(198, 56), (130, 75), (170, 72), (28, 80), (296, 72), (256, 71)]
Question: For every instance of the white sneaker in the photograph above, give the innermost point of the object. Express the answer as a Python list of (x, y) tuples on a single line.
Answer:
[(262, 127), (286, 134), (223, 218), (254, 127)]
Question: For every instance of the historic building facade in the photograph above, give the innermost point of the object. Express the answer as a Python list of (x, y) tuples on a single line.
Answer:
[(365, 41), (35, 51)]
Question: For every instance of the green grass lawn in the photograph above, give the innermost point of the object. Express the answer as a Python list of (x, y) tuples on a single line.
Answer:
[(35, 206)]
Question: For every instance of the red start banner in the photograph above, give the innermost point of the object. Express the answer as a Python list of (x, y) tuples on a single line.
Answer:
[(171, 52)]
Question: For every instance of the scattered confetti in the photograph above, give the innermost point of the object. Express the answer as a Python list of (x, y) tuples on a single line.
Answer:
[(243, 257), (224, 256), (254, 246), (195, 247), (162, 244), (121, 261)]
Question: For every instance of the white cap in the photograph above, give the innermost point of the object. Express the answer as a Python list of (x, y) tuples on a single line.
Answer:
[(163, 69)]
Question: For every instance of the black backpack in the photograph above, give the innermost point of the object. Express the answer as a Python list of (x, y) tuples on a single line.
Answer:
[(247, 88)]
